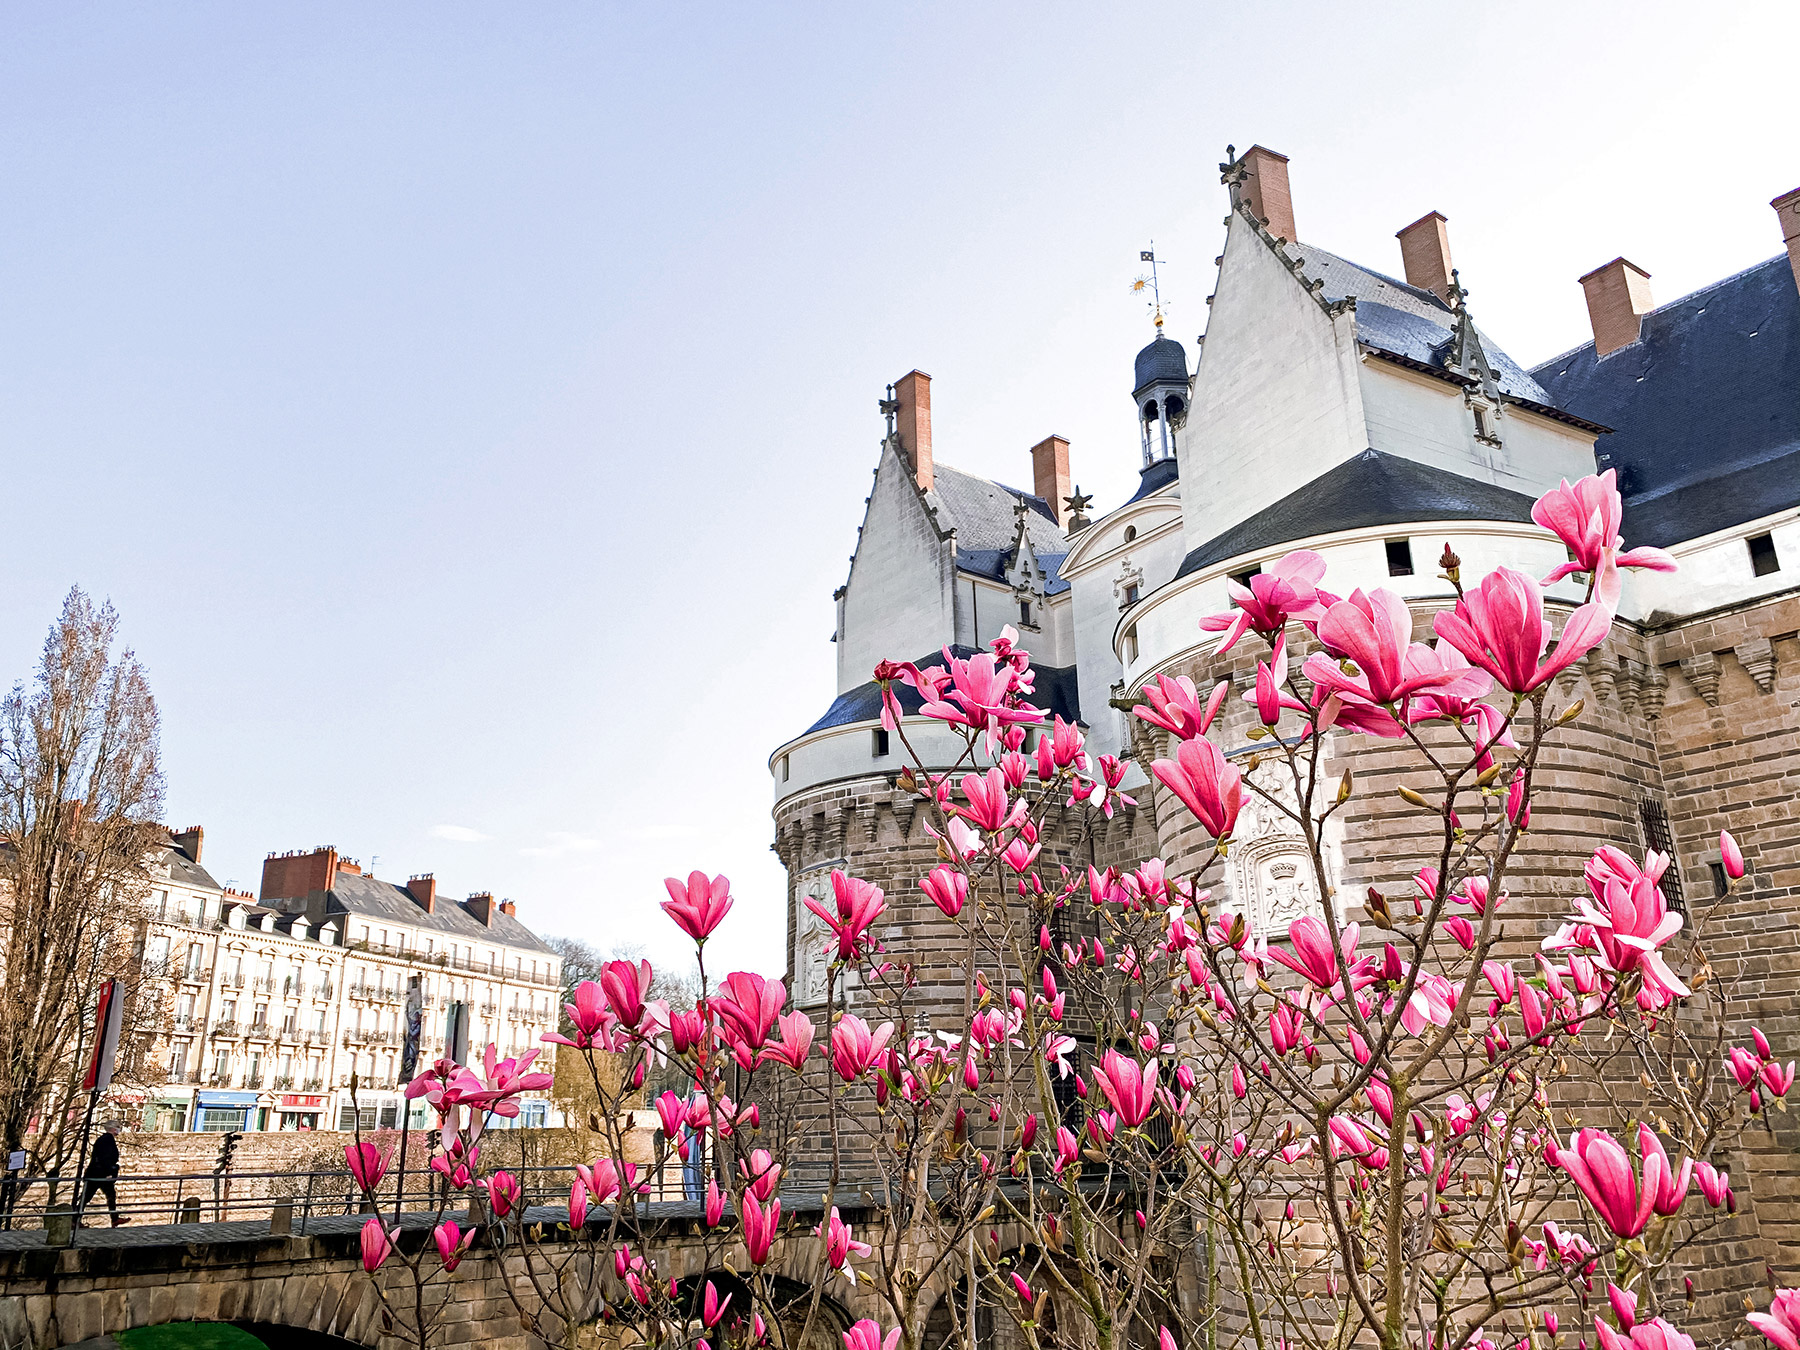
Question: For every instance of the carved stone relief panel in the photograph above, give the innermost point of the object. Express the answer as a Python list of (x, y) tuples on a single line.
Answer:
[(811, 935), (1270, 874)]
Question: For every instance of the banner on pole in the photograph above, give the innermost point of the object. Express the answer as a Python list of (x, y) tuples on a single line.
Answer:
[(415, 1024), (109, 1016)]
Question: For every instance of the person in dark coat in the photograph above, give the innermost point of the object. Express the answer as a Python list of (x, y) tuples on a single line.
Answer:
[(103, 1170)]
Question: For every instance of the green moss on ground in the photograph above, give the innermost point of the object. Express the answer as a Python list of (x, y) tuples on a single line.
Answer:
[(189, 1336)]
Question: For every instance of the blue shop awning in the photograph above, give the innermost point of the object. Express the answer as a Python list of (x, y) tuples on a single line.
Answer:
[(225, 1098)]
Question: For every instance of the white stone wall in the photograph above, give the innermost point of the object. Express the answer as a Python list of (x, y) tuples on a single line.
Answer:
[(1428, 420), (1277, 400), (1715, 572), (898, 603)]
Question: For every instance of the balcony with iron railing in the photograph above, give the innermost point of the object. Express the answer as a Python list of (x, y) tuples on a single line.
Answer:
[(218, 1080), (312, 1084), (196, 974), (234, 980), (258, 1031), (282, 1082), (264, 984), (227, 1028), (253, 1080)]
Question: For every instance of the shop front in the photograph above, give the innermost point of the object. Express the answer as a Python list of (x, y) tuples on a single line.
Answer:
[(219, 1112), (298, 1111)]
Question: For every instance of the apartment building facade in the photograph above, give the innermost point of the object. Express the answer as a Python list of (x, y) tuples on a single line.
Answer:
[(273, 1003)]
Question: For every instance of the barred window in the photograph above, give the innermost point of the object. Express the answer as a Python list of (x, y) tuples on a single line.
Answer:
[(1654, 817)]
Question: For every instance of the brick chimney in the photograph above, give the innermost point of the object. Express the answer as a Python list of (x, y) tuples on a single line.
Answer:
[(423, 888), (481, 905), (1265, 189), (1787, 211), (1618, 297), (1425, 253), (1050, 475), (189, 841), (913, 392), (509, 909), (294, 876)]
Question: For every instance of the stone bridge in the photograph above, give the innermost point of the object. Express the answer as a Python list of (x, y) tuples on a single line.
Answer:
[(307, 1290)]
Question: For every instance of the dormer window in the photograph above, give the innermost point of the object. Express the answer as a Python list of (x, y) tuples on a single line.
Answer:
[(1131, 595), (1243, 578), (878, 743), (1130, 533), (1025, 613), (1399, 557), (1485, 423), (1763, 558)]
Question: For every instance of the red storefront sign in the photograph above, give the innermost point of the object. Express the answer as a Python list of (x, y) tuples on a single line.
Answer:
[(294, 1102)]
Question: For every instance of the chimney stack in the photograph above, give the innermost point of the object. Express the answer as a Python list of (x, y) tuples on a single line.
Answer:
[(190, 840), (1618, 297), (509, 909), (1787, 211), (1425, 253), (1050, 475), (913, 392), (481, 905), (295, 876), (423, 888), (1265, 188)]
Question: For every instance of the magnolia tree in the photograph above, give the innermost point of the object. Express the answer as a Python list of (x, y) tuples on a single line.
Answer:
[(1148, 1120)]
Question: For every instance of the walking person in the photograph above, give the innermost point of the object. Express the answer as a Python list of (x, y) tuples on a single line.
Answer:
[(103, 1170)]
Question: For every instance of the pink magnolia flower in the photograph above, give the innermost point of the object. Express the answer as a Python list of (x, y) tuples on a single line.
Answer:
[(760, 1226), (982, 696), (1715, 1183), (947, 888), (377, 1242), (858, 904), (1628, 916), (503, 1193), (1673, 1184), (1731, 857), (1313, 957), (840, 1246), (1777, 1079), (1586, 518), (600, 1180), (990, 807), (1374, 631), (1656, 1334), (1286, 590), (1744, 1066), (796, 1041), (1500, 626), (1207, 784), (855, 1048), (367, 1165), (1129, 1086), (452, 1242), (700, 905), (1781, 1324), (625, 983), (1599, 1165), (712, 1307), (1176, 707), (746, 1006), (761, 1173), (715, 1203), (590, 1015), (1068, 1148), (866, 1335)]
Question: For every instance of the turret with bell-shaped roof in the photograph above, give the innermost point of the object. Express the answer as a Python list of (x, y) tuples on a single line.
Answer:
[(1161, 395)]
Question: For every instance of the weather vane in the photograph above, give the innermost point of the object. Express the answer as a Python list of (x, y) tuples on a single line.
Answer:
[(1149, 283)]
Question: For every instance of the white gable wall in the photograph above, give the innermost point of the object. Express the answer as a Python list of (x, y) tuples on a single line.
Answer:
[(1277, 401), (899, 602), (1427, 420)]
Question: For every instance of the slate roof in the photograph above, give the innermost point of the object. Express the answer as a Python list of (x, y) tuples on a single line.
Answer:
[(982, 512), (184, 871), (1056, 692), (1155, 478), (1164, 361), (1705, 407), (368, 898), (1406, 320), (1369, 490)]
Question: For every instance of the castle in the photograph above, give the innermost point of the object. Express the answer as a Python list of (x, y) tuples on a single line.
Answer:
[(1337, 408)]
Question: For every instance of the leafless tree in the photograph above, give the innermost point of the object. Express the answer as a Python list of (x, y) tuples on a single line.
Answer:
[(80, 797)]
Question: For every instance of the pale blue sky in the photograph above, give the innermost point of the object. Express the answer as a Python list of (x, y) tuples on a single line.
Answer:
[(469, 408)]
